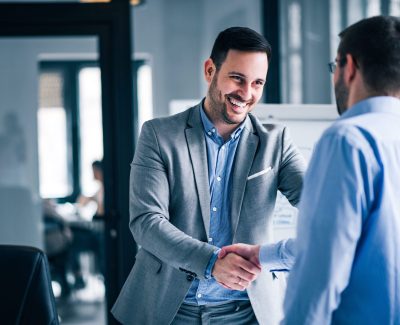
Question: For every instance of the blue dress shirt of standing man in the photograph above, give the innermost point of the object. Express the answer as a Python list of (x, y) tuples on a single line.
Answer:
[(347, 266)]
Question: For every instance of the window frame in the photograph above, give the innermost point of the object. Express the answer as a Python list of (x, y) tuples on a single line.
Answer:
[(70, 92)]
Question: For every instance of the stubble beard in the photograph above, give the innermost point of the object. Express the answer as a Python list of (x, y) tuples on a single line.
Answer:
[(218, 106), (341, 94)]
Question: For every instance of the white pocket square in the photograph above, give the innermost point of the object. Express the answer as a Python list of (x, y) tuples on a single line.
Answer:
[(264, 171)]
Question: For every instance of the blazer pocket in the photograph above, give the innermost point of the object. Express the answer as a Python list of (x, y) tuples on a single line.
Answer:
[(260, 173)]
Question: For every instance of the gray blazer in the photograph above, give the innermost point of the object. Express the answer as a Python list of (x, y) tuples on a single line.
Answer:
[(170, 212)]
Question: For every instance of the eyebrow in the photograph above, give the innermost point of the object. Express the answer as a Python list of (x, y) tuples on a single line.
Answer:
[(243, 76)]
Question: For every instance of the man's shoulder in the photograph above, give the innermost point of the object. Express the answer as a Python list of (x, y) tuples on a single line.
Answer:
[(343, 128), (172, 122), (349, 133)]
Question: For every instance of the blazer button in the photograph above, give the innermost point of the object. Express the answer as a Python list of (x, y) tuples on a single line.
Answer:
[(190, 277)]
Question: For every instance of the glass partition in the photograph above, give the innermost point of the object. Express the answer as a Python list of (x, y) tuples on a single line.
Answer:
[(50, 134)]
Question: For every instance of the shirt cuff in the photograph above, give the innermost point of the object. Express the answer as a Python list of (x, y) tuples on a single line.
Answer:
[(279, 256), (211, 263)]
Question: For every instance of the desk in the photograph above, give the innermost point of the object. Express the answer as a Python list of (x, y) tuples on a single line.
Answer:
[(72, 212)]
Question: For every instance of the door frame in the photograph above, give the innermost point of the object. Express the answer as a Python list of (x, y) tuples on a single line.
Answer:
[(111, 23)]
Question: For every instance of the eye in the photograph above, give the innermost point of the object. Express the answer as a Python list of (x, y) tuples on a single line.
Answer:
[(237, 78), (260, 82)]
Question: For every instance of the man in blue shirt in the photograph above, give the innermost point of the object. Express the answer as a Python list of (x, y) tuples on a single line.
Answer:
[(347, 268)]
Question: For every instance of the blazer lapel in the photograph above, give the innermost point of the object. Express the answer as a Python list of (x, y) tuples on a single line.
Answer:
[(243, 161), (198, 156)]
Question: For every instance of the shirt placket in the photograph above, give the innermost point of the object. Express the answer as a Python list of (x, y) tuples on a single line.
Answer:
[(218, 195), (215, 207)]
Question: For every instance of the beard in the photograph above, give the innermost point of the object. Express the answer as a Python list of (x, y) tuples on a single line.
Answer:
[(218, 108), (218, 105), (341, 94)]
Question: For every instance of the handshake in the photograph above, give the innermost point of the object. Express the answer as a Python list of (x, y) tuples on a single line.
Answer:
[(237, 266)]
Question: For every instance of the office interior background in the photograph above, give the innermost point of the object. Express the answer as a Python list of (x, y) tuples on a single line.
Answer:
[(78, 79)]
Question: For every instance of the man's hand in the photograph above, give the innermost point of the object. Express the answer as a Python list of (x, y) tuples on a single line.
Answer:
[(249, 252), (235, 272)]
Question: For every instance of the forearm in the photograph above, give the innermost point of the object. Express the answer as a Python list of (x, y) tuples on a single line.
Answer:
[(162, 239)]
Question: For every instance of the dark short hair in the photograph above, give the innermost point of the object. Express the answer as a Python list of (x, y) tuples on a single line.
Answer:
[(374, 44), (241, 39), (97, 164)]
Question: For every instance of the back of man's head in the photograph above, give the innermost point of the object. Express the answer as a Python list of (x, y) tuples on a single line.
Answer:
[(97, 164), (374, 44), (241, 39)]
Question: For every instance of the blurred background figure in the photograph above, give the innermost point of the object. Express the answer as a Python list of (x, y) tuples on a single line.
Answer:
[(88, 236), (74, 240), (57, 244), (98, 196)]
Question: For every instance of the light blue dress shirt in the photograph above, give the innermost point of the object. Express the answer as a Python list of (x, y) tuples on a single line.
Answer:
[(347, 269), (220, 158)]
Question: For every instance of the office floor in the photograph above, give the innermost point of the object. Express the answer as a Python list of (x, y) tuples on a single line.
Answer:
[(85, 306)]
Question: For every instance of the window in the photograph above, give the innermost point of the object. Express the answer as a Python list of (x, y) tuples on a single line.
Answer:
[(145, 93), (309, 39), (90, 121), (70, 124), (70, 128), (55, 180)]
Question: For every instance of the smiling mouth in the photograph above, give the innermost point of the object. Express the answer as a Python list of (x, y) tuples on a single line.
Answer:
[(236, 103)]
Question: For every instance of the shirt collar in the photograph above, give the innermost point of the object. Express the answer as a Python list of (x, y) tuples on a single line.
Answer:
[(212, 131), (379, 104)]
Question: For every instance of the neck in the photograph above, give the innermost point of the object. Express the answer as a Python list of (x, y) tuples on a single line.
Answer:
[(359, 91), (226, 130)]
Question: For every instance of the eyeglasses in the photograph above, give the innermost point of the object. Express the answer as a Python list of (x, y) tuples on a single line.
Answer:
[(333, 65)]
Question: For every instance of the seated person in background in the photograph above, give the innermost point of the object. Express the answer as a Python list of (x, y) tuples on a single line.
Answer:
[(89, 237), (98, 196), (57, 244)]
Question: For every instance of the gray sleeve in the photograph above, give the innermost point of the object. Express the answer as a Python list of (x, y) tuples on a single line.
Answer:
[(149, 211), (291, 170)]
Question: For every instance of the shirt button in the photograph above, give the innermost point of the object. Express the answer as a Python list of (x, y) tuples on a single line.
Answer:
[(209, 133), (199, 295), (213, 130), (210, 240), (218, 179), (214, 209)]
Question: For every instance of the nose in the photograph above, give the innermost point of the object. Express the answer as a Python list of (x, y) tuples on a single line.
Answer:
[(246, 91)]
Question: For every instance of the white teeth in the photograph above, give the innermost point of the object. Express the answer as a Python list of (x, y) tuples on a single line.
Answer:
[(237, 103)]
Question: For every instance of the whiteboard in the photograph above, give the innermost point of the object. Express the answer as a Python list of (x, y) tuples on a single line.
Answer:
[(306, 123)]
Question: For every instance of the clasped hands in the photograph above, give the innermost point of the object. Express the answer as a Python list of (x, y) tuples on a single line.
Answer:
[(237, 266)]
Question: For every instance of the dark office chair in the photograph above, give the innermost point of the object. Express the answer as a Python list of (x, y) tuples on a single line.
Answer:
[(26, 296)]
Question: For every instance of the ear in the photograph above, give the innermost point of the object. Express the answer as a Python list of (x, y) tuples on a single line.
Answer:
[(209, 70), (350, 69)]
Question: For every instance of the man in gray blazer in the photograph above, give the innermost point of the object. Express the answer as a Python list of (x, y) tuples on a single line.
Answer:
[(203, 179)]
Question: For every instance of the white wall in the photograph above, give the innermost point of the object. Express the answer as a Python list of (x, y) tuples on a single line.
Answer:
[(19, 59), (178, 36)]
